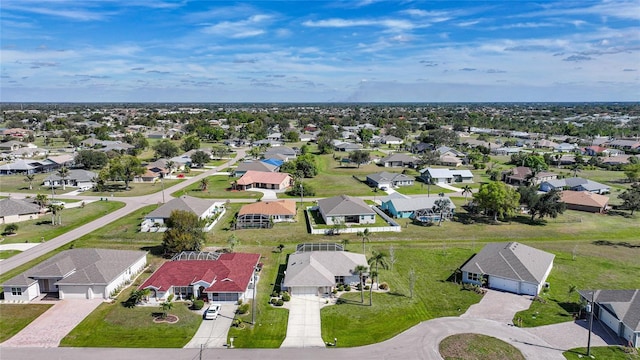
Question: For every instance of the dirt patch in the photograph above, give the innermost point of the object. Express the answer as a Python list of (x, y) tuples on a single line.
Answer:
[(170, 319), (477, 347)]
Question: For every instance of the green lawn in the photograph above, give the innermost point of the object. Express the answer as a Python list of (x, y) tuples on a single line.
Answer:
[(420, 188), (5, 254), (600, 267), (219, 188), (114, 325), (17, 183), (604, 352), (135, 189), (15, 317), (355, 324), (477, 347), (36, 230)]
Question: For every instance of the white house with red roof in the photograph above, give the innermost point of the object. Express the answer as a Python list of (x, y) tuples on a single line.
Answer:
[(263, 180), (225, 278)]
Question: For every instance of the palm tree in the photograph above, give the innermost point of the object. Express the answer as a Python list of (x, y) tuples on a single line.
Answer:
[(29, 178), (41, 199), (169, 166), (365, 237), (361, 270), (64, 174), (166, 307), (204, 184), (576, 168), (378, 258), (466, 191), (56, 210), (372, 274)]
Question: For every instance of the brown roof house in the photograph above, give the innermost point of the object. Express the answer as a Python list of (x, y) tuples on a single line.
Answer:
[(509, 266), (619, 310), (77, 274), (263, 180), (263, 214), (522, 175), (585, 201)]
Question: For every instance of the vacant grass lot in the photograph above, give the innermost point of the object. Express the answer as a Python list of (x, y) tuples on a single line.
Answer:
[(477, 347), (604, 352), (355, 324), (14, 317), (135, 189), (36, 230), (219, 187), (114, 325)]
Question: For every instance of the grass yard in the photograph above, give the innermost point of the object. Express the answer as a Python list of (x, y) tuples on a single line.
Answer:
[(477, 347), (15, 317), (219, 188), (36, 230), (5, 254), (603, 352), (355, 324), (420, 188), (271, 322), (17, 183), (114, 325), (594, 267), (135, 189)]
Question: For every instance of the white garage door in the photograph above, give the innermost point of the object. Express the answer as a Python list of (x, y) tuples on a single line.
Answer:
[(610, 320), (503, 284), (304, 290)]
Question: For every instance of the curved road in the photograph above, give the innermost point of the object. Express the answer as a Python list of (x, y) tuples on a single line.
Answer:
[(131, 204)]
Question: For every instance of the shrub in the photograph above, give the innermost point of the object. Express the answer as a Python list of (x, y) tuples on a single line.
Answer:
[(243, 309), (198, 304), (239, 301), (367, 287), (347, 288), (383, 286), (279, 302), (286, 296), (275, 294), (334, 291), (340, 287), (273, 301)]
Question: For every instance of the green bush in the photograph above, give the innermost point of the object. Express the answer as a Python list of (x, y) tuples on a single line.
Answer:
[(340, 287), (383, 286), (198, 304), (347, 288), (243, 309), (275, 294), (367, 287), (286, 296), (273, 301), (279, 302), (239, 301)]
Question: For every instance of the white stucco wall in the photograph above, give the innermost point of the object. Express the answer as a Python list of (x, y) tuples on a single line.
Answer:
[(28, 293)]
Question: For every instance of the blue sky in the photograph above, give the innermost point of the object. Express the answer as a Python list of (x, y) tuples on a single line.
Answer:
[(319, 51)]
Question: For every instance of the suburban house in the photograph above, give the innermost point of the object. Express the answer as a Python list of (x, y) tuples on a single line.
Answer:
[(215, 277), (16, 210), (565, 147), (446, 176), (575, 184), (347, 147), (416, 207), (449, 160), (619, 310), (263, 180), (82, 179), (398, 160), (391, 140), (522, 175), (11, 145), (284, 153), (77, 274), (624, 144), (388, 180), (263, 214), (509, 266), (585, 201), (245, 166), (316, 268), (205, 209), (27, 167), (345, 209)]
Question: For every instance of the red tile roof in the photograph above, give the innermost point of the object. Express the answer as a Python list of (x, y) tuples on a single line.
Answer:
[(230, 273)]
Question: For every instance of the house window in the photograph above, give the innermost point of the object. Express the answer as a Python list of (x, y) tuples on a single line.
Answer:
[(16, 291), (473, 277), (339, 279)]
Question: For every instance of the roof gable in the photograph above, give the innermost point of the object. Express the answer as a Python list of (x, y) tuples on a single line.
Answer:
[(344, 205)]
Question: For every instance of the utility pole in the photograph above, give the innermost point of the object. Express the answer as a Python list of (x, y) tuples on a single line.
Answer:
[(253, 302), (590, 309)]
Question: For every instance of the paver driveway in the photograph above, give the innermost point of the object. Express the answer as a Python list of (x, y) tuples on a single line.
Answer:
[(303, 329), (498, 306), (49, 328)]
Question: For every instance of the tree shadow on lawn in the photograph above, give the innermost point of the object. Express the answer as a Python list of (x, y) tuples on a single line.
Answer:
[(156, 250), (615, 244), (280, 276)]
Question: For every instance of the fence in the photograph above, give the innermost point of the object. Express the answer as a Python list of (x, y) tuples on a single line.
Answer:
[(393, 226)]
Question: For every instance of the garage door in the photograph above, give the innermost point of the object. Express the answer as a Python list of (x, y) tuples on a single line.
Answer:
[(610, 320), (304, 290), (503, 284)]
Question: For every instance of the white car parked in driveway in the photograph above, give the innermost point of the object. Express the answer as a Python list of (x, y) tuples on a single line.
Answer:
[(212, 312)]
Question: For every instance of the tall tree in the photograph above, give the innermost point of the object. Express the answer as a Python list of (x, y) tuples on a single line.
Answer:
[(204, 184), (549, 204), (190, 143), (442, 206), (91, 159), (498, 199), (365, 238), (199, 158), (63, 172), (124, 168), (185, 232), (631, 198), (361, 271), (378, 258), (632, 172), (56, 213), (360, 157), (41, 200), (166, 149), (466, 191)]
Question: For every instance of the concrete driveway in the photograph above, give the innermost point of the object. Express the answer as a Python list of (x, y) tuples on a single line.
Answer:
[(303, 329), (573, 334), (498, 306), (49, 328), (213, 333)]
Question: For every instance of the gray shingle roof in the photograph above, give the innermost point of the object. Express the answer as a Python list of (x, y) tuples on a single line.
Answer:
[(387, 176), (344, 205), (319, 268), (76, 174), (256, 166), (81, 267), (185, 203), (10, 207), (624, 304), (511, 260)]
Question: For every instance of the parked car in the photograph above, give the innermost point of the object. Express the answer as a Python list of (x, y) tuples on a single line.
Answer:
[(212, 312)]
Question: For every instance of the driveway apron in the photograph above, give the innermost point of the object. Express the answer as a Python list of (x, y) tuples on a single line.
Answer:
[(303, 329), (498, 306), (213, 333), (49, 328)]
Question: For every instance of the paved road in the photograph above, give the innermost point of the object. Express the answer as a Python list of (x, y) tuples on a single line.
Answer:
[(132, 204)]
